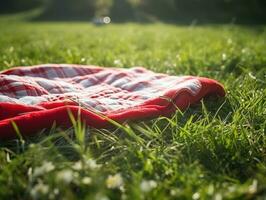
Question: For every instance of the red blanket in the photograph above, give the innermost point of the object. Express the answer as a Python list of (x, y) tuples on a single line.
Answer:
[(36, 97)]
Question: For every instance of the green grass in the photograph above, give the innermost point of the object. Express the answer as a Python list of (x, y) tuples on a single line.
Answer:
[(214, 150)]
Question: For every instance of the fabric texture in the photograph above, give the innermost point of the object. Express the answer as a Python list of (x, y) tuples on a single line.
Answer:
[(34, 98)]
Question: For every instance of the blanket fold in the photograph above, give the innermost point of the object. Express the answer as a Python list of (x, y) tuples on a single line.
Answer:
[(34, 98)]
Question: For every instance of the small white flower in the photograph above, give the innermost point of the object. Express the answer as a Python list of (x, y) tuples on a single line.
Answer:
[(168, 171), (148, 185), (253, 187), (45, 168), (77, 166), (173, 192), (92, 164), (178, 57), (65, 176), (38, 190), (29, 172), (114, 181), (117, 62), (86, 180), (53, 194), (210, 190), (224, 56), (56, 191), (244, 50), (196, 196), (218, 196), (11, 49)]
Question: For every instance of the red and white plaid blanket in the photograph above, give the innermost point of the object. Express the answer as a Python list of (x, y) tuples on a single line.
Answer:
[(36, 97)]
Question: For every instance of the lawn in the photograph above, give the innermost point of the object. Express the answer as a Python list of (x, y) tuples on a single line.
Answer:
[(214, 150)]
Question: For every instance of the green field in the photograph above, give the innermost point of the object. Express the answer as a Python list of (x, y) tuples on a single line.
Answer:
[(214, 150)]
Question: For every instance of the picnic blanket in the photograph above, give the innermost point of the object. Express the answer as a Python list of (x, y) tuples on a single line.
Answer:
[(37, 97)]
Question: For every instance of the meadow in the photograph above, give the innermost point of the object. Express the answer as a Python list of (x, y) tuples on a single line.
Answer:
[(213, 150)]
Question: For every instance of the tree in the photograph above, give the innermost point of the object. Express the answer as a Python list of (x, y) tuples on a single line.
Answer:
[(69, 9), (11, 6)]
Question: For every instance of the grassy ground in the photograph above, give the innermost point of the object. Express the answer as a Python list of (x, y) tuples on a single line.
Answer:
[(215, 150)]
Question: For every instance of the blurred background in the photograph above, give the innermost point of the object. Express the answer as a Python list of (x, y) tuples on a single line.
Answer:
[(170, 11)]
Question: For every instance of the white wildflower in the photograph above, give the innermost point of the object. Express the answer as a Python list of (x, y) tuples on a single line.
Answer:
[(229, 41), (218, 196), (8, 157), (53, 194), (45, 168), (173, 192), (253, 187), (148, 185), (11, 49), (38, 190), (196, 196), (178, 57), (86, 180), (29, 172), (210, 190), (92, 164), (77, 166), (244, 50), (168, 172), (65, 176), (224, 56), (231, 189), (56, 191), (115, 181), (117, 62)]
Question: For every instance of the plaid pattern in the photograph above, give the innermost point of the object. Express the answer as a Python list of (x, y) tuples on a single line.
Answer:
[(34, 98), (100, 89)]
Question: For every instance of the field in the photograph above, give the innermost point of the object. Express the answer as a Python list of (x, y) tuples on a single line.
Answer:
[(214, 150)]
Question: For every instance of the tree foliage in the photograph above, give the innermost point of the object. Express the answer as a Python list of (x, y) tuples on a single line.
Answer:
[(169, 10), (10, 6)]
